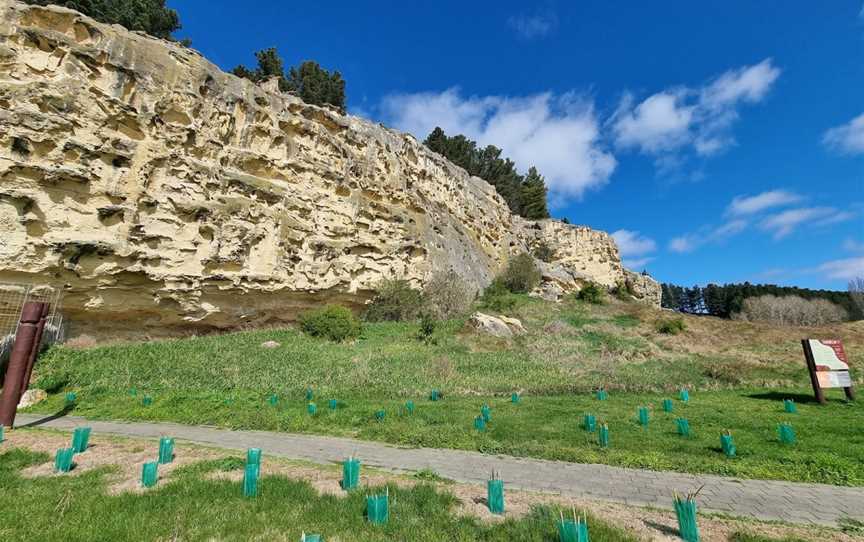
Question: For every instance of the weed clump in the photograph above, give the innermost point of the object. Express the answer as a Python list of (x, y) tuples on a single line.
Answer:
[(396, 301), (332, 322), (521, 275), (591, 293), (671, 327)]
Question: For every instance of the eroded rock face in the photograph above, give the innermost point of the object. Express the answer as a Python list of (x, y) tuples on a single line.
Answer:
[(165, 195)]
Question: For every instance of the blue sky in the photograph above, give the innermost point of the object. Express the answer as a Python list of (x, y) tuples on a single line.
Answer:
[(720, 141)]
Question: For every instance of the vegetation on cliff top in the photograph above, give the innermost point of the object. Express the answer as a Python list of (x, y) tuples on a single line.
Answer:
[(150, 16)]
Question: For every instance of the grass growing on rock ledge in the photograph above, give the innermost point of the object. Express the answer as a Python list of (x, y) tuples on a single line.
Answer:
[(192, 507), (738, 374)]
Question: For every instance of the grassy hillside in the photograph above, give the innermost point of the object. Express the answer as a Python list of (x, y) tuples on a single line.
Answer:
[(738, 373)]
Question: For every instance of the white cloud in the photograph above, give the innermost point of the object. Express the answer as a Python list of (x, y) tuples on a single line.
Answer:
[(847, 138), (698, 120), (851, 245), (635, 249), (691, 241), (533, 26), (746, 205), (558, 134), (782, 224), (845, 269)]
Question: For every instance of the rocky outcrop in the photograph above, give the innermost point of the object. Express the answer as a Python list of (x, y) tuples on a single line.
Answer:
[(500, 326), (164, 195)]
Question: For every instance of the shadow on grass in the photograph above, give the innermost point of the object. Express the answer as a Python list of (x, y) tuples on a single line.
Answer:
[(780, 395)]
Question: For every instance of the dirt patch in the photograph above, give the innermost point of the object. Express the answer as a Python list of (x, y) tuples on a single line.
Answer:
[(125, 457)]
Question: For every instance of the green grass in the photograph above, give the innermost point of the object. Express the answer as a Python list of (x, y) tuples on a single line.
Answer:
[(192, 507), (571, 348)]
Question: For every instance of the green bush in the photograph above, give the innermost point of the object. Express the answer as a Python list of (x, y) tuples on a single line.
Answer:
[(447, 295), (623, 291), (332, 322), (592, 293), (396, 301), (427, 328), (521, 275), (671, 327), (543, 252), (497, 297)]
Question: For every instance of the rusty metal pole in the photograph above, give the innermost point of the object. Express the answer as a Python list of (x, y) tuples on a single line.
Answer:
[(37, 344), (17, 368)]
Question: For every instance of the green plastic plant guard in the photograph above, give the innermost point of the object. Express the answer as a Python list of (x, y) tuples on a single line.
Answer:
[(2, 437), (409, 407), (350, 473), (250, 480), (667, 405), (683, 427), (333, 404), (789, 406), (273, 400), (71, 397), (80, 439), (166, 450), (787, 434), (685, 510), (602, 395), (435, 395), (684, 395), (311, 408), (727, 445), (63, 459), (575, 530), (495, 495), (377, 509), (643, 416), (309, 394), (603, 436), (133, 392), (486, 412), (479, 423), (147, 401), (514, 398), (589, 423), (380, 415), (253, 456), (149, 474), (311, 538)]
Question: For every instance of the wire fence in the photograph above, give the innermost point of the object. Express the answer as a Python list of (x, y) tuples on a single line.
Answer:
[(12, 299)]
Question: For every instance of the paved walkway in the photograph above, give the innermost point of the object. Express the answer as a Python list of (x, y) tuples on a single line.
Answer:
[(768, 500)]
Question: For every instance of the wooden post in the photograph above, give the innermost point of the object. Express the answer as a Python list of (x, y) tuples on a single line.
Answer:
[(811, 366), (28, 328)]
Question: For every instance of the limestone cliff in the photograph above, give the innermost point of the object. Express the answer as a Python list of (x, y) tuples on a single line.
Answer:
[(165, 195)]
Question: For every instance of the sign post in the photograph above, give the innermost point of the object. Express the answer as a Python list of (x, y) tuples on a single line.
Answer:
[(828, 366)]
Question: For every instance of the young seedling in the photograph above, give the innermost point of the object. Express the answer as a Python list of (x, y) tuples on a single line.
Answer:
[(71, 397), (684, 395), (63, 459), (333, 404), (789, 406), (667, 405), (727, 444), (80, 439), (273, 400), (378, 508), (589, 423), (166, 450), (683, 427), (350, 473), (250, 480), (309, 394), (310, 537), (133, 392), (149, 474), (602, 395), (603, 436), (685, 510), (147, 400), (409, 407), (787, 434), (495, 493), (575, 530), (380, 415), (311, 408), (2, 437), (480, 424), (514, 398), (643, 416), (486, 412), (435, 395)]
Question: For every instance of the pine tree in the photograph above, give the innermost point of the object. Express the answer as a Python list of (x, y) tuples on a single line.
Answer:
[(150, 16), (533, 192), (315, 85)]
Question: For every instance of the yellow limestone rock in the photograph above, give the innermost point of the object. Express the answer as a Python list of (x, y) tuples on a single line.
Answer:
[(166, 196)]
